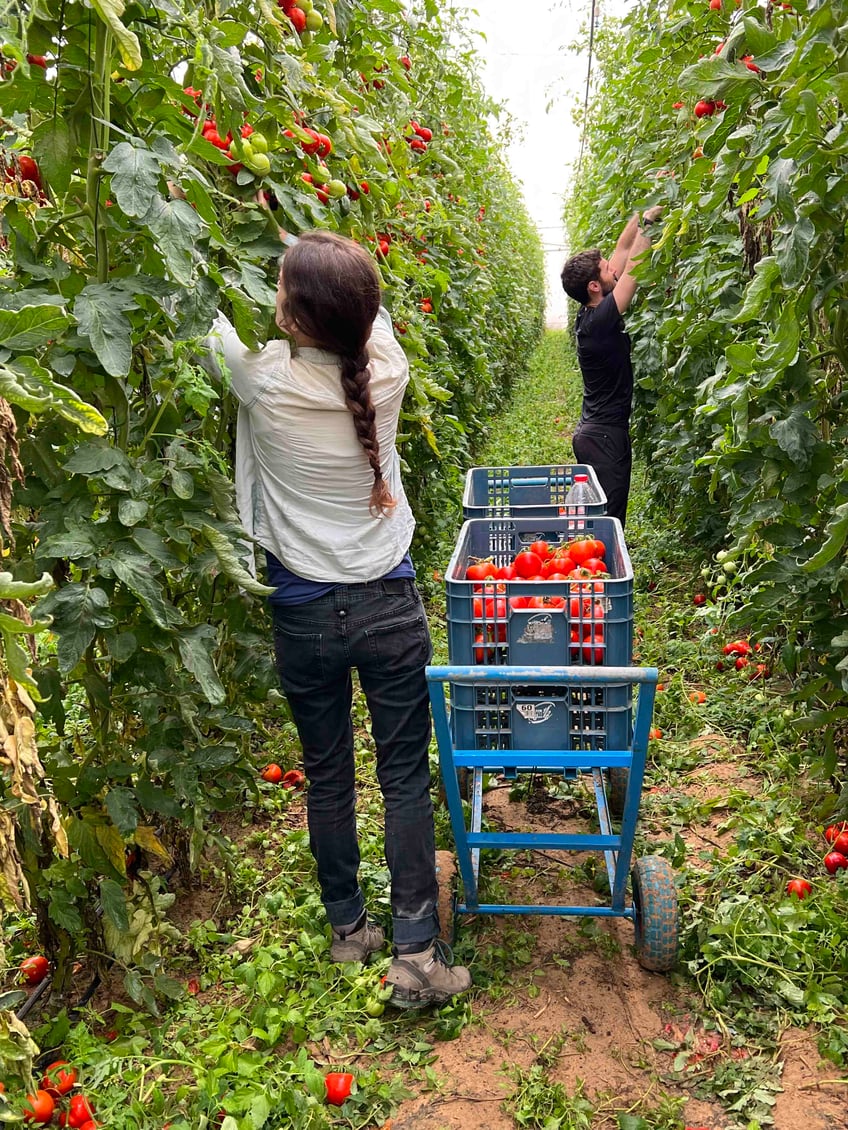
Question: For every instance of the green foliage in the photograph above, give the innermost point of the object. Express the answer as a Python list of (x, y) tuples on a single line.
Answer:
[(740, 333), (117, 249)]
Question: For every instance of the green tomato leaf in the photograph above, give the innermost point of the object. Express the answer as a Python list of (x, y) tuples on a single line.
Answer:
[(121, 806), (230, 564), (797, 435), (835, 534), (176, 228), (135, 177), (78, 611), (32, 326), (133, 570), (10, 589), (110, 12), (99, 310), (196, 646), (114, 904), (759, 289)]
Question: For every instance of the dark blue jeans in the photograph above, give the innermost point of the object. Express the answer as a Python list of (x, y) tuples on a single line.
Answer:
[(381, 629)]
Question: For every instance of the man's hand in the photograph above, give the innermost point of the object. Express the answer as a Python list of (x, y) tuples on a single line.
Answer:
[(652, 214)]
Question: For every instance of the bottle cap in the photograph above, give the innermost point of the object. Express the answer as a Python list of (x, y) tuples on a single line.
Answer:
[(581, 478)]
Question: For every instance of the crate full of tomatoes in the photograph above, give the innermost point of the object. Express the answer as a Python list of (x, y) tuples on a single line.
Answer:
[(558, 592)]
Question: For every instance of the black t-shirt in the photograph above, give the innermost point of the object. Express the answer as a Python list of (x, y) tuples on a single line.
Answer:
[(603, 352)]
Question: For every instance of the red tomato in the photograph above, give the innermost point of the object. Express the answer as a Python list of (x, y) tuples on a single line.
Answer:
[(834, 830), (655, 732), (193, 986), (58, 1077), (338, 1085), (39, 1107), (581, 550), (80, 1111), (840, 844), (551, 565), (800, 888), (92, 1125), (272, 773), (540, 548), (298, 18), (37, 61), (737, 647), (595, 654), (520, 602), (35, 969), (480, 570), (293, 779), (556, 577), (506, 573), (527, 564), (29, 169), (481, 654), (699, 598), (600, 549), (698, 697), (704, 109), (564, 561), (595, 565), (741, 662), (834, 861)]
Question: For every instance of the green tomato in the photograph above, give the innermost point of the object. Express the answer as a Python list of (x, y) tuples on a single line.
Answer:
[(306, 6), (259, 163), (375, 1007), (730, 568), (721, 556), (337, 189), (314, 21), (246, 151), (259, 143)]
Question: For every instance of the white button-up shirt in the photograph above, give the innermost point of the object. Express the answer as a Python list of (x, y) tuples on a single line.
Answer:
[(303, 480)]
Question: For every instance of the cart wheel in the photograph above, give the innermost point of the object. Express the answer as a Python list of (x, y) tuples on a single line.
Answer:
[(656, 915), (617, 788)]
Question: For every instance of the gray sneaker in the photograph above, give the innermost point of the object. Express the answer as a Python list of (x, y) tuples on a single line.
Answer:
[(429, 977), (357, 946)]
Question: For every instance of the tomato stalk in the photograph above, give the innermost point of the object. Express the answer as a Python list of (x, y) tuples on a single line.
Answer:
[(99, 86)]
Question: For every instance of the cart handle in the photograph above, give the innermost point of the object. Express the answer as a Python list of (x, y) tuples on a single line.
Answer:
[(584, 676)]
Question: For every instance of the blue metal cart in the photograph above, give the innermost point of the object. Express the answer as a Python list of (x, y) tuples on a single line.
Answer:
[(653, 907)]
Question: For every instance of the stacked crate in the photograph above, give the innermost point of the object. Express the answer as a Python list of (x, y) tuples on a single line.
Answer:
[(568, 622)]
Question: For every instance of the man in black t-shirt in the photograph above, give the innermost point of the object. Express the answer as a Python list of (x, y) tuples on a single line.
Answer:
[(605, 288)]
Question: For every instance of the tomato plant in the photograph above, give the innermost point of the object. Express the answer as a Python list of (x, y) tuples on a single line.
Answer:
[(740, 337), (131, 164)]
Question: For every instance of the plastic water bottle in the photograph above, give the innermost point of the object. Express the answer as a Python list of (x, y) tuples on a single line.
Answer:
[(579, 496)]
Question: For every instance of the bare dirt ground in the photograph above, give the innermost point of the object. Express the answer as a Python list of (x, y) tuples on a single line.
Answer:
[(584, 1008)]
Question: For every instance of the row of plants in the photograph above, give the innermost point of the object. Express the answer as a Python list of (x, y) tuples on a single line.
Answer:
[(153, 668), (733, 117)]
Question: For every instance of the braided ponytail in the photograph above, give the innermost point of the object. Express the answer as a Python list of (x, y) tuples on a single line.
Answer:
[(331, 293), (356, 377)]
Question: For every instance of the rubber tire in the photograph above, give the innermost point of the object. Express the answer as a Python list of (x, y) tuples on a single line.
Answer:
[(657, 918), (617, 778)]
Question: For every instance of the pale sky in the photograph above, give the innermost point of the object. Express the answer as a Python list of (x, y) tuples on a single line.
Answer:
[(526, 64)]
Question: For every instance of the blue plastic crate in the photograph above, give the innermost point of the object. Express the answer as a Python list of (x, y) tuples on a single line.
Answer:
[(526, 492), (590, 624)]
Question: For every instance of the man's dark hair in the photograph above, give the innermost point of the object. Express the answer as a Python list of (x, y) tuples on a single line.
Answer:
[(578, 272)]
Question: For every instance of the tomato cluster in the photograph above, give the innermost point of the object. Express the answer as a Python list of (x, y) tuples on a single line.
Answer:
[(835, 860), (53, 1102), (579, 563), (292, 779), (743, 656)]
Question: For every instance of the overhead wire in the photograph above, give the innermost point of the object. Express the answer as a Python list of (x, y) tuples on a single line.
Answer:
[(592, 19)]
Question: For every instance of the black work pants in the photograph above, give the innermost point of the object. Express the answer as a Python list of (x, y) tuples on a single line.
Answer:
[(606, 448), (381, 629)]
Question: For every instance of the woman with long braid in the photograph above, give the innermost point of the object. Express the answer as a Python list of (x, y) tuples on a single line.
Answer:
[(319, 488)]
